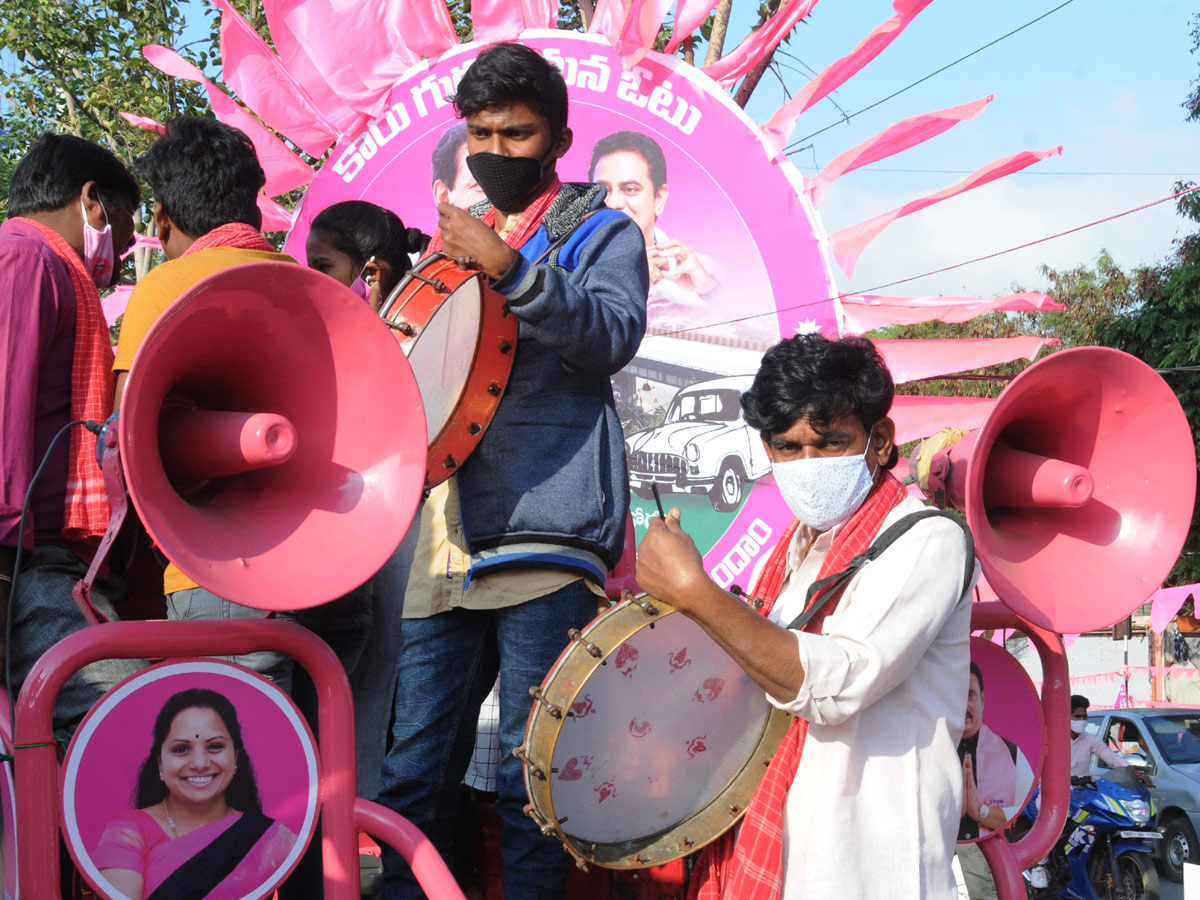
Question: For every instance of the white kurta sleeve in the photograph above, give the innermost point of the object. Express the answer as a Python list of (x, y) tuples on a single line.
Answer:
[(888, 617)]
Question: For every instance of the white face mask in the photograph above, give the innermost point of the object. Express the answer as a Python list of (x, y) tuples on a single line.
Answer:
[(1079, 726), (825, 490), (99, 257)]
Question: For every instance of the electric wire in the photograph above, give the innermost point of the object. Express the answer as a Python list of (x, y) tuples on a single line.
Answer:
[(847, 117)]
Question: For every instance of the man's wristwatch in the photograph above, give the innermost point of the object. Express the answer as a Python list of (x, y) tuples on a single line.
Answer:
[(984, 811)]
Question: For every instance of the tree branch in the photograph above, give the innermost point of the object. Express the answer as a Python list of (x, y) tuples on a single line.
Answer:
[(716, 39)]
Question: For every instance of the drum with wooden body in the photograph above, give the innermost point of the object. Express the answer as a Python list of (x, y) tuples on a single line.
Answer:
[(646, 739), (459, 338)]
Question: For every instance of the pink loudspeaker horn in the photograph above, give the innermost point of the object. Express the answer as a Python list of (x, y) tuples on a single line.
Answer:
[(1079, 488), (273, 436)]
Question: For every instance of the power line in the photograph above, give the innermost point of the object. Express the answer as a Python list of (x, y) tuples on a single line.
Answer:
[(847, 118), (959, 265)]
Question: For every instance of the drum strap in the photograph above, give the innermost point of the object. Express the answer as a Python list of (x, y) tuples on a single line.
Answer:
[(830, 586)]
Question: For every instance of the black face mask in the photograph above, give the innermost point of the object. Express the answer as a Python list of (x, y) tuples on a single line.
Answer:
[(506, 180)]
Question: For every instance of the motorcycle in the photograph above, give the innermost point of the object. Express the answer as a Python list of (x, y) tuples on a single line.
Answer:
[(1107, 847)]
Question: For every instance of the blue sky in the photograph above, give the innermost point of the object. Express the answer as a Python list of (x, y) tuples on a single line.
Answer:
[(1102, 78)]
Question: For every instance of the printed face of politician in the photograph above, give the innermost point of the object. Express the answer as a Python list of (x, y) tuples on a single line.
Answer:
[(198, 758), (974, 708), (627, 176)]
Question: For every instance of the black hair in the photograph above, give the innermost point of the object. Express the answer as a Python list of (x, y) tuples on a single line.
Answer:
[(508, 73), (55, 168), (361, 230), (812, 377), (632, 142), (242, 793), (205, 174), (978, 673), (445, 154), (1078, 700)]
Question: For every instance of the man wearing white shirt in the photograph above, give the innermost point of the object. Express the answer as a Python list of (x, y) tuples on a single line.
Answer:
[(870, 796), (1084, 743)]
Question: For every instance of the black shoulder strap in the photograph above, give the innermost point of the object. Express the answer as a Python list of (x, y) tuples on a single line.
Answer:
[(199, 876), (830, 585)]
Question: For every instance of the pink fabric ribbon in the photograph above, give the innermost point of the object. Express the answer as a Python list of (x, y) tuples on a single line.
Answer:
[(144, 122), (1166, 603), (918, 416), (909, 360), (504, 20), (729, 68), (849, 243), (894, 139), (424, 25), (284, 169), (777, 131), (640, 29), (866, 312), (607, 20), (259, 78), (689, 16)]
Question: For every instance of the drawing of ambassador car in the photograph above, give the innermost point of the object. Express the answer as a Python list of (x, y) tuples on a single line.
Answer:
[(703, 447)]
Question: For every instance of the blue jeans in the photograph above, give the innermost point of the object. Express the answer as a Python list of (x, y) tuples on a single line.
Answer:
[(446, 667), (194, 604), (45, 613)]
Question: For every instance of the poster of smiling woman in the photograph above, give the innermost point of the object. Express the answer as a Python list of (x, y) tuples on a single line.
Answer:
[(190, 779)]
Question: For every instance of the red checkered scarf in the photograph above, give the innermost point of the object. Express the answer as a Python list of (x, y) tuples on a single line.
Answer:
[(747, 864), (87, 507), (233, 234), (530, 221)]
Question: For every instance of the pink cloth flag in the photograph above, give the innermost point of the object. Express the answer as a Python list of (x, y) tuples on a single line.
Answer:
[(689, 16), (349, 86), (114, 303), (918, 417), (1166, 603), (641, 28), (729, 68), (866, 312), (144, 122), (608, 19), (849, 243), (503, 20), (777, 131), (901, 136), (275, 217), (258, 77), (911, 360), (284, 169), (424, 25)]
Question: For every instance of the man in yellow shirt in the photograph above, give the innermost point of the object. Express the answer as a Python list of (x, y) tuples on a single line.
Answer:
[(205, 179)]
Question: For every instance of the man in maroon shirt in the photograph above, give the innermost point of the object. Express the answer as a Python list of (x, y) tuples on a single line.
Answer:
[(67, 195)]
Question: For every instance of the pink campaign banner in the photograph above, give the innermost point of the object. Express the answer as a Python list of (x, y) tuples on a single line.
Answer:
[(740, 259)]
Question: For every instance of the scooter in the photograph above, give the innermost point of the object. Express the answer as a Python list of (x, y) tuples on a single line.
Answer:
[(1107, 848)]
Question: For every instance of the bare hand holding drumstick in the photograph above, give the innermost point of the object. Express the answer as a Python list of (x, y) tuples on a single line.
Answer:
[(670, 568), (464, 235)]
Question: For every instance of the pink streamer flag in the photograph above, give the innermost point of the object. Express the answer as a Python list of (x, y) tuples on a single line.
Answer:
[(641, 28), (503, 20), (689, 16), (608, 19), (424, 25), (349, 86), (910, 360), (144, 122), (275, 217), (901, 136), (777, 131), (259, 78), (918, 417), (1166, 603), (284, 169), (866, 312), (729, 68), (849, 243)]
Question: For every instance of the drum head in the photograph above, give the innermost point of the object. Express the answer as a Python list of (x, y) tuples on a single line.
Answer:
[(660, 741), (442, 358)]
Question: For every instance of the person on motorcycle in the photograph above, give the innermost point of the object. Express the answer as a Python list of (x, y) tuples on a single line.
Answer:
[(1084, 744)]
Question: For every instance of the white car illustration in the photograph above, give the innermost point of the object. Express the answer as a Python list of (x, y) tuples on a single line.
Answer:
[(703, 447)]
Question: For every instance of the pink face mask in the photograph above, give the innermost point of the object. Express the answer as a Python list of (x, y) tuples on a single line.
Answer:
[(98, 256), (361, 288)]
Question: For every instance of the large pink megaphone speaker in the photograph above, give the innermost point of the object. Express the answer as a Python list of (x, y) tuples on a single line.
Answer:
[(1078, 488), (273, 436)]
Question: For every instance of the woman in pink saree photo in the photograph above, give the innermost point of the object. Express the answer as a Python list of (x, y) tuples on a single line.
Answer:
[(196, 827)]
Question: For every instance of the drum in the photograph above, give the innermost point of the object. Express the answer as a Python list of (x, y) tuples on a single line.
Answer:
[(459, 338), (646, 739)]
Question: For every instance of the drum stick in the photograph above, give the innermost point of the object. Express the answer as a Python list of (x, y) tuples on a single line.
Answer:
[(658, 500)]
